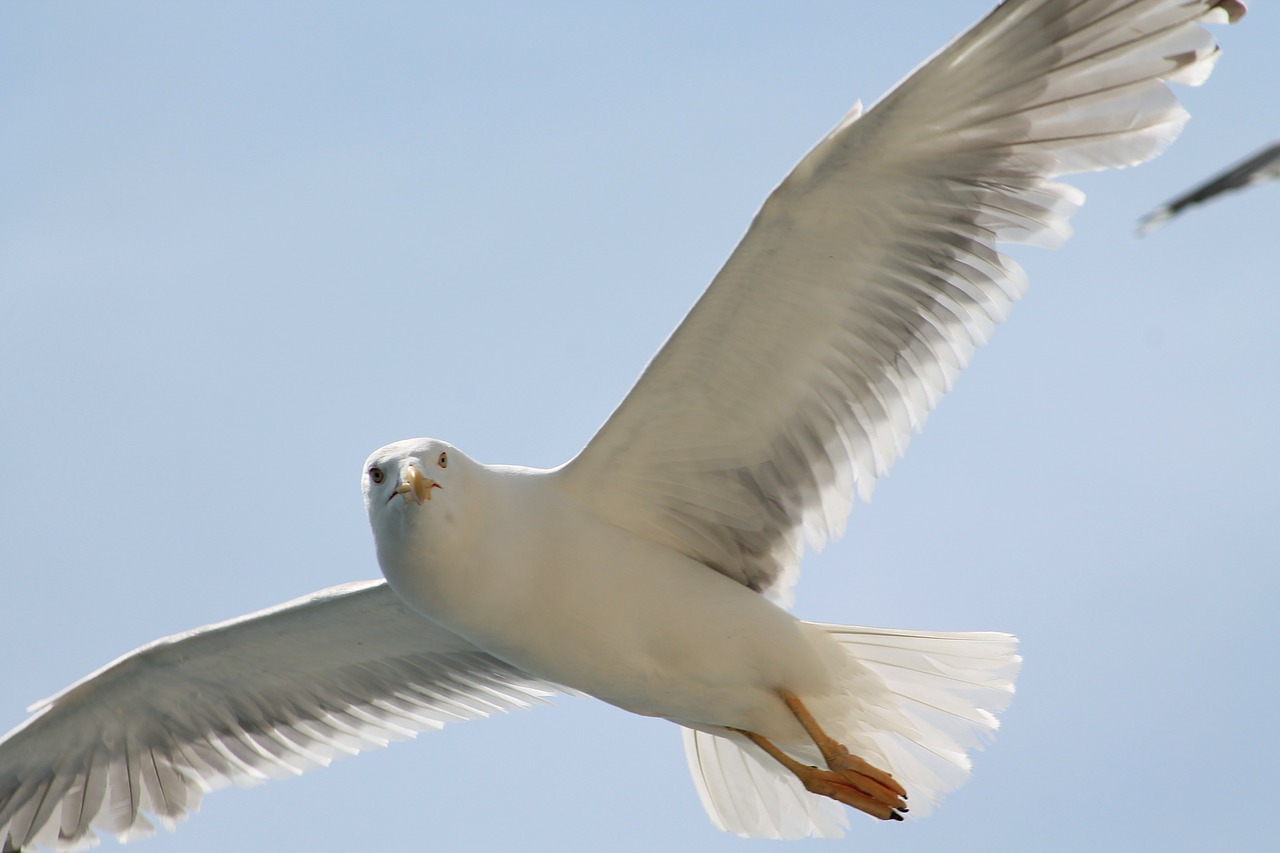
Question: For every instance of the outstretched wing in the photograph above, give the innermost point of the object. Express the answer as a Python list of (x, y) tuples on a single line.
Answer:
[(870, 275), (1260, 167), (267, 695)]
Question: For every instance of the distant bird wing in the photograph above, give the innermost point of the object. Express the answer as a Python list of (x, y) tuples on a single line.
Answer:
[(1261, 167)]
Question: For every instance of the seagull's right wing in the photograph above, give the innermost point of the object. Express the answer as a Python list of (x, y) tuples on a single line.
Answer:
[(1263, 166), (263, 696)]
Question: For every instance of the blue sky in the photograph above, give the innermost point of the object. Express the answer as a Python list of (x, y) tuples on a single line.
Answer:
[(243, 245)]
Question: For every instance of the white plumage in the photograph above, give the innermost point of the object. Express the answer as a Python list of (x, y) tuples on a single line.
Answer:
[(645, 571), (260, 697), (947, 687)]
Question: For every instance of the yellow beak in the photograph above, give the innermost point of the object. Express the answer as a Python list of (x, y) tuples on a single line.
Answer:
[(416, 486)]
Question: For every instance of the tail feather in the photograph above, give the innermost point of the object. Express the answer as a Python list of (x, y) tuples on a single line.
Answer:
[(937, 695), (956, 682)]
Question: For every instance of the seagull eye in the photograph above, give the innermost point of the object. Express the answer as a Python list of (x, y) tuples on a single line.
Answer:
[(375, 474), (443, 461)]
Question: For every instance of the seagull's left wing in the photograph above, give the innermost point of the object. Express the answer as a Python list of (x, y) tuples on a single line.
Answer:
[(870, 275), (267, 695)]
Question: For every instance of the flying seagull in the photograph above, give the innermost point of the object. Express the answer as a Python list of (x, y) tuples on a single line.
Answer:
[(1257, 169), (652, 570)]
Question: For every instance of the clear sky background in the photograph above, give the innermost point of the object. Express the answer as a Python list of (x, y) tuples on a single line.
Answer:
[(244, 244)]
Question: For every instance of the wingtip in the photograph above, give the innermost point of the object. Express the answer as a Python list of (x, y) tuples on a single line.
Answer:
[(1230, 10), (1153, 221)]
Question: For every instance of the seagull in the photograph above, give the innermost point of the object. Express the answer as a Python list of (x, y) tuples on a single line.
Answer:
[(1258, 168), (653, 570)]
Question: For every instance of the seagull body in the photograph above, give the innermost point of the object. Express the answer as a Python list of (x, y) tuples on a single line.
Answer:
[(639, 625), (618, 616), (652, 570)]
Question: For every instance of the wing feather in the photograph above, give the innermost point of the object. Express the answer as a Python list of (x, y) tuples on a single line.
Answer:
[(871, 275), (265, 696)]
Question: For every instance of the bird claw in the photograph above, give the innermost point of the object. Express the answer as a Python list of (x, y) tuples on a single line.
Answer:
[(865, 776), (847, 779), (872, 784), (859, 791)]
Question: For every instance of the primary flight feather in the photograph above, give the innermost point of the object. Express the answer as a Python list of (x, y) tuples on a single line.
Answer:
[(649, 571)]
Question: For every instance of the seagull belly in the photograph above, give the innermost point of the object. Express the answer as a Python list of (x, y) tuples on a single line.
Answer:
[(583, 603)]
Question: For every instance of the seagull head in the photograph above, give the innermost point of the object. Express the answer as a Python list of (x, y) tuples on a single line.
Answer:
[(422, 497), (415, 492), (411, 472)]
